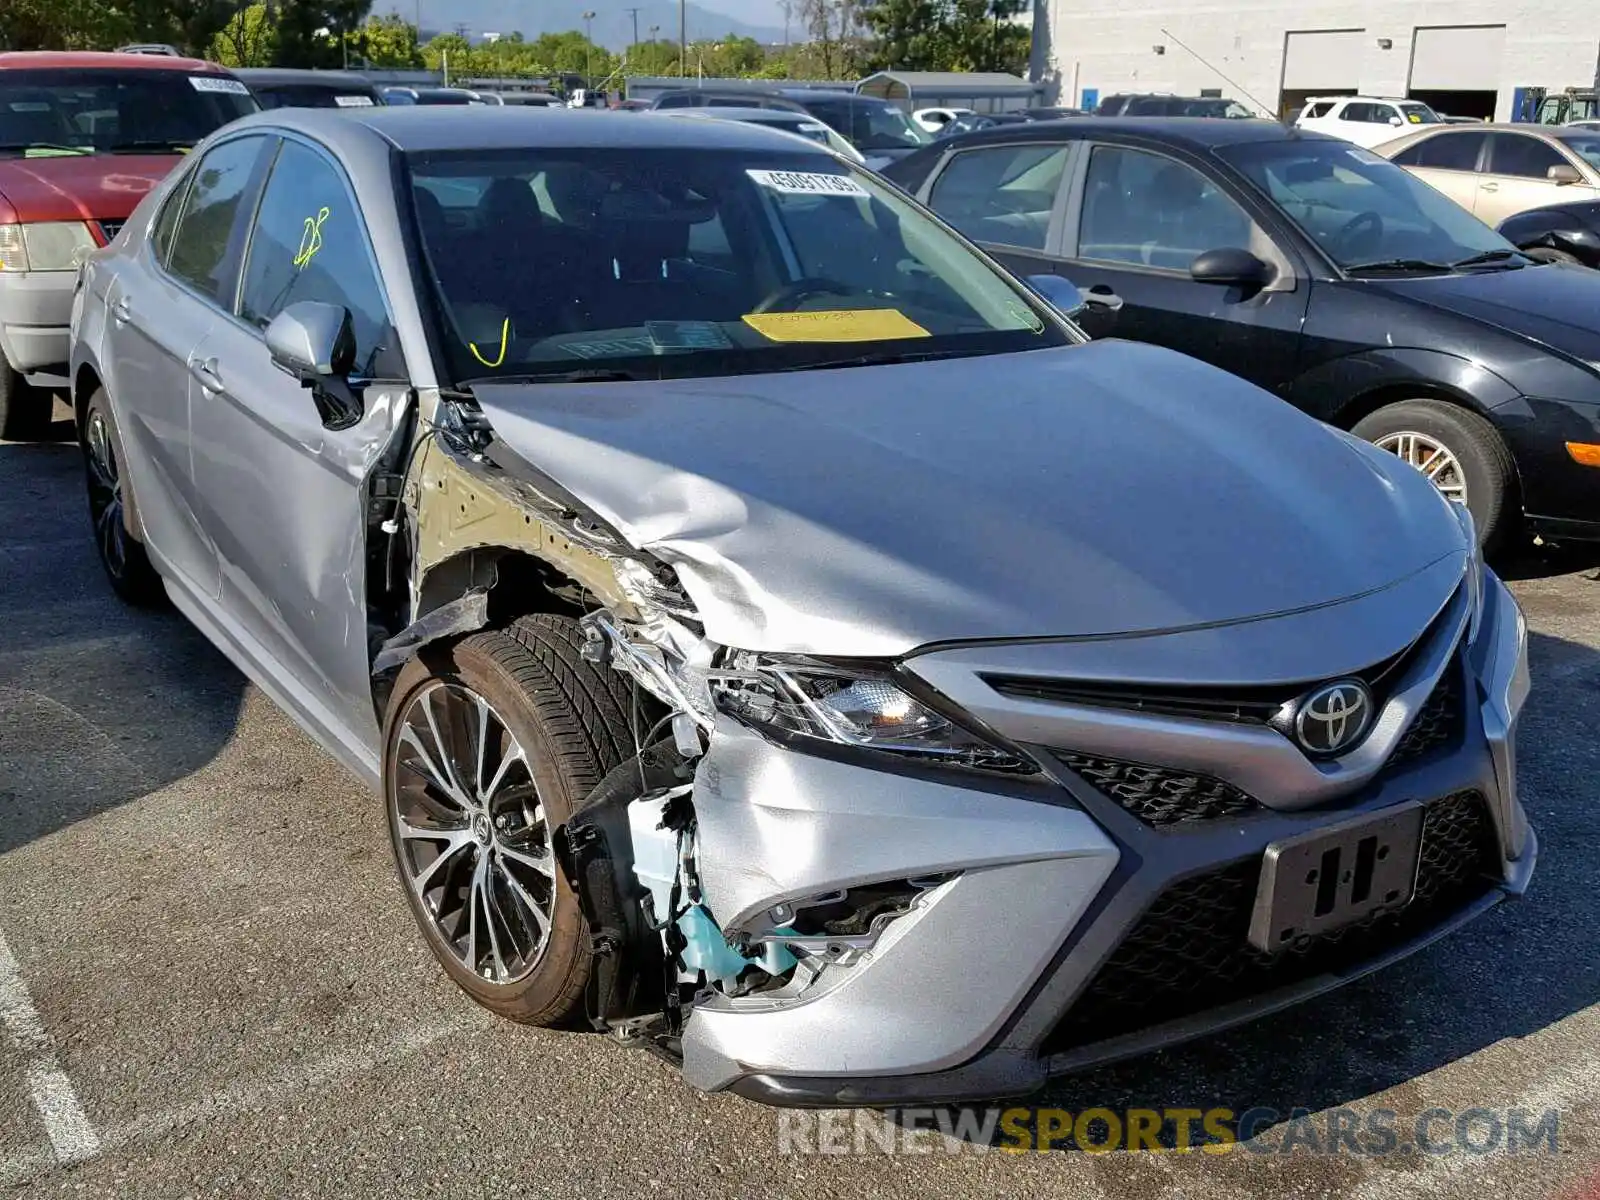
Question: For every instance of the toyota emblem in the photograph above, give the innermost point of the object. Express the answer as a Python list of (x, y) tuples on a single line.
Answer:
[(1333, 718)]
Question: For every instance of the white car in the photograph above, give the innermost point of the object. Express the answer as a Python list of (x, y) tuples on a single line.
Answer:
[(935, 119), (1365, 120)]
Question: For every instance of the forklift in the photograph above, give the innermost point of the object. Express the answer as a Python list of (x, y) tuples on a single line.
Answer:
[(1539, 106)]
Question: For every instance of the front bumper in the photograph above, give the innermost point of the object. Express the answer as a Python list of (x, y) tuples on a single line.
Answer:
[(1075, 932), (1560, 496), (35, 312)]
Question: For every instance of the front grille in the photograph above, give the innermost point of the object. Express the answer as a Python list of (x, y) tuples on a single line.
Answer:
[(1440, 722), (110, 228), (1190, 953), (1159, 795)]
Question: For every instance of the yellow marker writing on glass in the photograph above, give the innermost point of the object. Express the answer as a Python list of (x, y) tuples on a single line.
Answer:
[(505, 333), (310, 239), (836, 325)]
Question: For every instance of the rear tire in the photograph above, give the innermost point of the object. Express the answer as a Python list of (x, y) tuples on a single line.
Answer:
[(24, 409), (113, 518), (1486, 472), (498, 915)]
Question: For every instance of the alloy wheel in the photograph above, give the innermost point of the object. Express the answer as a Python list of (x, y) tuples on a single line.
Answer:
[(1431, 457), (471, 834), (105, 495)]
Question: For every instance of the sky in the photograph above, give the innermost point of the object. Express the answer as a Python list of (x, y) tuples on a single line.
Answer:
[(757, 12)]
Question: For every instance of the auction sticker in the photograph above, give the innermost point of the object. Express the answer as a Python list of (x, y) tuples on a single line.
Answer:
[(215, 83), (807, 183), (836, 325), (353, 101)]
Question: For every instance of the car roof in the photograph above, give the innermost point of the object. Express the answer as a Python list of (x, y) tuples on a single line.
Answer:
[(334, 79), (1196, 132), (801, 95), (100, 60), (506, 127), (769, 116)]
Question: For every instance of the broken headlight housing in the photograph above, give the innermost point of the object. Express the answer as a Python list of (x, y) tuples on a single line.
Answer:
[(849, 707)]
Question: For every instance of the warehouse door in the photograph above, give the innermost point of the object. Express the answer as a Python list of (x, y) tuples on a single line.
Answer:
[(1456, 69), (1322, 62)]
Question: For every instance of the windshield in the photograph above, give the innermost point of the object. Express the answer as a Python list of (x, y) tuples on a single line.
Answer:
[(1585, 145), (311, 95), (644, 263), (80, 111), (1362, 209), (1417, 113)]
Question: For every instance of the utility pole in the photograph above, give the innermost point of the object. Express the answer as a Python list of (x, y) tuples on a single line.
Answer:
[(634, 12), (588, 50), (683, 37)]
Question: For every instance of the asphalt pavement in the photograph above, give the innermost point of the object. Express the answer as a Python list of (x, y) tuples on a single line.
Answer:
[(210, 984)]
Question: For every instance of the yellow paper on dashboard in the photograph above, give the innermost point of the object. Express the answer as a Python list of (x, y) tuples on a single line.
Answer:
[(839, 325)]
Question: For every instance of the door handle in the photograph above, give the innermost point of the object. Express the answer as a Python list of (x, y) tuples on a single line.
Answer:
[(120, 312), (205, 370), (1100, 296), (1489, 187)]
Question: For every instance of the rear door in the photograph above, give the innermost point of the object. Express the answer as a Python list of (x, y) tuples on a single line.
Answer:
[(161, 305), (1009, 199), (1137, 219), (1449, 161), (1517, 178), (282, 495)]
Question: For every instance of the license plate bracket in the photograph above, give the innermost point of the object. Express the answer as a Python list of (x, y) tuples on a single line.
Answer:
[(1334, 876)]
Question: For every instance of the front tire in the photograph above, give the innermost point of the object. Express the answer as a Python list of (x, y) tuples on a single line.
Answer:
[(115, 522), (24, 409), (489, 745), (1460, 452)]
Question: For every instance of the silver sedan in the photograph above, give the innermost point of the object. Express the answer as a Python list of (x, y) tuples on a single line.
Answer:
[(777, 636)]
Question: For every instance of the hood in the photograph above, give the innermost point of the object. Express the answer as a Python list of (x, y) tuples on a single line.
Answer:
[(81, 187), (1556, 306), (1104, 489)]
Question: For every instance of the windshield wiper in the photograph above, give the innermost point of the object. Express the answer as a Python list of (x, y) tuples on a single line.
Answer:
[(1398, 264), (1489, 256), (588, 375), (883, 360), (54, 147), (150, 144)]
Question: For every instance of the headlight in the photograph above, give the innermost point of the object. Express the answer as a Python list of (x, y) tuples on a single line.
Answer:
[(1474, 572), (849, 708), (44, 246)]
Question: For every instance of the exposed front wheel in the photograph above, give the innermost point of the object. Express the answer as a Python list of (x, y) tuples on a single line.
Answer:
[(489, 745), (24, 409), (1459, 452), (116, 540)]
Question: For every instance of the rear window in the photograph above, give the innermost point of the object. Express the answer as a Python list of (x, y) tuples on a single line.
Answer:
[(96, 111), (310, 95), (663, 264)]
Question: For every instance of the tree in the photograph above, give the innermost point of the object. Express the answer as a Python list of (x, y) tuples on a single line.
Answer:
[(948, 35), (833, 26), (390, 41), (248, 40), (659, 57)]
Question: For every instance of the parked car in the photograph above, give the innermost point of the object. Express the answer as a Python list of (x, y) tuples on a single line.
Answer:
[(82, 137), (739, 634), (976, 121), (1319, 271), (882, 131), (277, 87), (801, 124), (1365, 120), (530, 99), (1161, 105), (411, 96), (935, 119), (1497, 171), (696, 97), (1560, 233)]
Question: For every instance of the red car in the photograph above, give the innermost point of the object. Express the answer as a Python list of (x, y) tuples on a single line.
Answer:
[(83, 136)]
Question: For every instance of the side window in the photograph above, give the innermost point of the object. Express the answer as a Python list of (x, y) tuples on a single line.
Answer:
[(1522, 156), (309, 244), (1354, 112), (211, 223), (1385, 114), (167, 221), (1001, 194), (1317, 111), (1156, 212), (676, 101), (1444, 152)]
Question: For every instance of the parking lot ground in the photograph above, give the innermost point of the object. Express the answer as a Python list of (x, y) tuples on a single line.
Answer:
[(211, 953)]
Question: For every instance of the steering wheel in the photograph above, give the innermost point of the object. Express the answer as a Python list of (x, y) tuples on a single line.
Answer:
[(1359, 223), (791, 294)]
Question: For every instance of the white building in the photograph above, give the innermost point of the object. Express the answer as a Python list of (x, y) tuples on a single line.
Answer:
[(1465, 57)]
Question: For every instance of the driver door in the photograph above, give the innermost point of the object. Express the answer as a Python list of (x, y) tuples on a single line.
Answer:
[(284, 497)]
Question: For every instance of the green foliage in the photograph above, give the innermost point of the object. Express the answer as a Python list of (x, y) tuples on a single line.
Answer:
[(948, 35), (390, 41), (247, 40)]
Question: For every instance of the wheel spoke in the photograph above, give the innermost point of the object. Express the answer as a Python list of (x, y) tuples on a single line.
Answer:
[(410, 737), (479, 900), (446, 759), (540, 918), (514, 754), (456, 843), (482, 746), (545, 864)]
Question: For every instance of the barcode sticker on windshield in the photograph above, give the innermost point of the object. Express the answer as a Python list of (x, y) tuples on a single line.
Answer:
[(806, 183), (353, 101), (215, 83)]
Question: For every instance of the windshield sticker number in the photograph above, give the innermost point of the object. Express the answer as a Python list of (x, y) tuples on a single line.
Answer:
[(808, 183), (215, 83), (839, 325), (353, 101), (310, 239), (687, 335), (1415, 118)]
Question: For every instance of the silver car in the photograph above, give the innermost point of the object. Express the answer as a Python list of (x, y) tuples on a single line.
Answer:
[(778, 638)]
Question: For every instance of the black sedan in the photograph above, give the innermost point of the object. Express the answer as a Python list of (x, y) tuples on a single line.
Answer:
[(1319, 271), (1567, 233)]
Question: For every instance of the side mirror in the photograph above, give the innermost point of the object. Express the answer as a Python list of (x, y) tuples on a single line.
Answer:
[(1232, 267), (1060, 294), (1563, 174), (1396, 122), (315, 344)]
